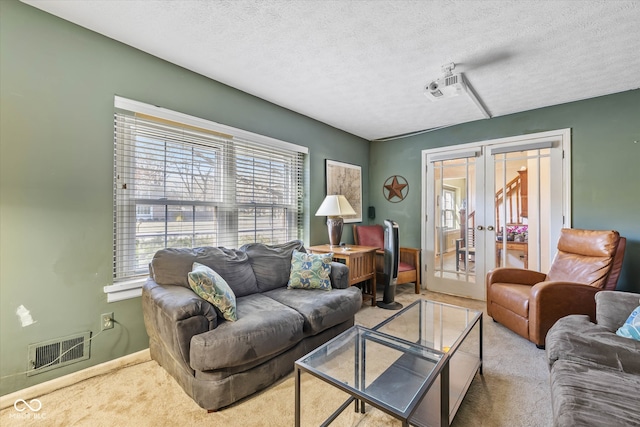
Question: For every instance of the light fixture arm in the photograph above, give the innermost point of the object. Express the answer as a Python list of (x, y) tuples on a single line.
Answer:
[(474, 97)]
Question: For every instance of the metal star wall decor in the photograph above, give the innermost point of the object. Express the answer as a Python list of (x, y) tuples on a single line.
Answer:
[(395, 187)]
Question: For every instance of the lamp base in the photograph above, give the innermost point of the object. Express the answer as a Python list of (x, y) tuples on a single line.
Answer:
[(334, 226)]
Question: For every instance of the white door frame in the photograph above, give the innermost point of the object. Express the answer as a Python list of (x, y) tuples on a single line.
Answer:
[(561, 136)]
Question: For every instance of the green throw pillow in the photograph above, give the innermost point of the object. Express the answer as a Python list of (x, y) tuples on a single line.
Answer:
[(309, 271), (210, 286), (631, 328)]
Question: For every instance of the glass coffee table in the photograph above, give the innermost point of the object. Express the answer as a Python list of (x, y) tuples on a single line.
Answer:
[(415, 366)]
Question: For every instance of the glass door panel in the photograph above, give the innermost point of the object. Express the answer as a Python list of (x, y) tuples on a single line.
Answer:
[(522, 201), (455, 252)]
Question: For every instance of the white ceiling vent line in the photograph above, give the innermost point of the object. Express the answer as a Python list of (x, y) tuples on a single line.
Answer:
[(451, 85)]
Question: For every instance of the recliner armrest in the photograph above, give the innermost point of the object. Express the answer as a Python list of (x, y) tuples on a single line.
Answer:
[(514, 275), (550, 301)]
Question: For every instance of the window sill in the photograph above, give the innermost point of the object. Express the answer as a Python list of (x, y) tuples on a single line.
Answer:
[(124, 290)]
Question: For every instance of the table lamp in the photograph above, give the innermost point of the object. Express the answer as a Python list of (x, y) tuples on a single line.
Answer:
[(334, 207)]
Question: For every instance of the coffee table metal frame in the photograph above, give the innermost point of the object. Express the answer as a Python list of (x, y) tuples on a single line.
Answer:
[(462, 365), (357, 392), (356, 339)]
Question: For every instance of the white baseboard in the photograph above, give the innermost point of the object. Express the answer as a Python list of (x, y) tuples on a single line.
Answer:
[(73, 378)]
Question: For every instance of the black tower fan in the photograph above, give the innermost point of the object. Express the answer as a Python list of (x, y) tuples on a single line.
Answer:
[(390, 272)]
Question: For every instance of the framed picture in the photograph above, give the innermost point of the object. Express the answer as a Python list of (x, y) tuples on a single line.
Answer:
[(346, 179)]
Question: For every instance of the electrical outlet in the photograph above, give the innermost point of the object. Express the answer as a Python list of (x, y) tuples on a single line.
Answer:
[(106, 321)]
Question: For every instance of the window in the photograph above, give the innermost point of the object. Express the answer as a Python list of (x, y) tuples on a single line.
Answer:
[(180, 181), (448, 209)]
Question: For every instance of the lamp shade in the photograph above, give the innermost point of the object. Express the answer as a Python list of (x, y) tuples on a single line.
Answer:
[(335, 205)]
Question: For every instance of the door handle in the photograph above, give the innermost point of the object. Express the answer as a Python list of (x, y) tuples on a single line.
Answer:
[(480, 228), (490, 228)]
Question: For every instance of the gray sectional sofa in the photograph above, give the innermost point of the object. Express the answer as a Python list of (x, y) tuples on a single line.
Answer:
[(219, 362), (595, 374)]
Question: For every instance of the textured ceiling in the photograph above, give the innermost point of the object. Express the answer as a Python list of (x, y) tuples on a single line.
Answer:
[(361, 66)]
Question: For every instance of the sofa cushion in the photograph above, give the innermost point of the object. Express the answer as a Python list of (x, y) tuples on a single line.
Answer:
[(310, 271), (210, 286), (584, 395), (264, 327), (271, 263), (320, 309), (171, 266)]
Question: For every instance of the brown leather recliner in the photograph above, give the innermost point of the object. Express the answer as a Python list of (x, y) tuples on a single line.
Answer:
[(409, 258), (529, 302)]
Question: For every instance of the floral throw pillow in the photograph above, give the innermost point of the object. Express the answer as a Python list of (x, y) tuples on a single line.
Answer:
[(310, 271), (210, 286), (631, 328)]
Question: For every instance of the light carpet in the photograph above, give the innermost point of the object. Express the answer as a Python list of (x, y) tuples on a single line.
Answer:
[(514, 391)]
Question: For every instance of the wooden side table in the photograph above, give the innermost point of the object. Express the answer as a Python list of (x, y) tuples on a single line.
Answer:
[(513, 246), (361, 261)]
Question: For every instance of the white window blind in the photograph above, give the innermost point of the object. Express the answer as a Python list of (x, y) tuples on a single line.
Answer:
[(180, 185)]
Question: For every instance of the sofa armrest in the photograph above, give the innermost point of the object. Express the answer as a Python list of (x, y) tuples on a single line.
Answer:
[(614, 307), (173, 314), (577, 339), (339, 275), (558, 340), (550, 301)]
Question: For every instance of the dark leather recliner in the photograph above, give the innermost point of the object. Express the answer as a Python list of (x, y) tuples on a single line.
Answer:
[(529, 302), (409, 263)]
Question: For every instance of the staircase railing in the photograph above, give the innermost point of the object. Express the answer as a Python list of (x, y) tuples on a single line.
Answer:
[(513, 196)]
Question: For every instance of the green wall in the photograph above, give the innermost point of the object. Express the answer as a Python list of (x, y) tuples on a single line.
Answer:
[(605, 159), (57, 82)]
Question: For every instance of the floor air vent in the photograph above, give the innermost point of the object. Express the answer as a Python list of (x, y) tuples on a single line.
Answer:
[(59, 352)]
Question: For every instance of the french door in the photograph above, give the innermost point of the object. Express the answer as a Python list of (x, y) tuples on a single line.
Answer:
[(493, 204)]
